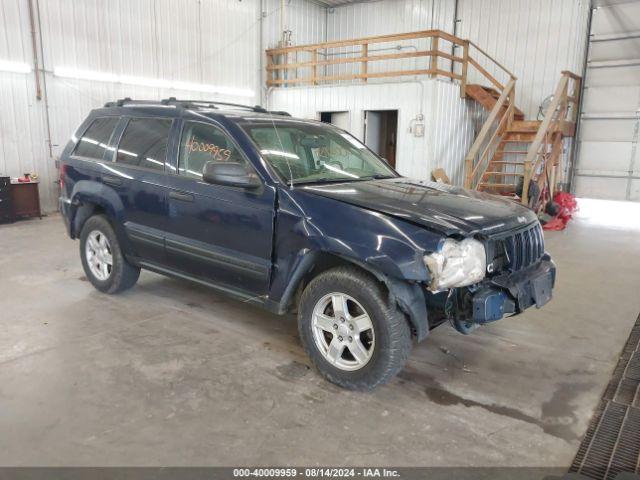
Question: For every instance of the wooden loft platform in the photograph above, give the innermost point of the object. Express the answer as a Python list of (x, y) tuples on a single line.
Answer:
[(317, 64)]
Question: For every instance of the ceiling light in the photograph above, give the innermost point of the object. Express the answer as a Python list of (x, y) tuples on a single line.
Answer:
[(150, 82), (15, 67)]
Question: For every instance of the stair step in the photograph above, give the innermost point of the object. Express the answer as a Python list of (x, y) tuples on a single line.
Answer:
[(505, 174), (504, 162), (518, 152), (487, 97), (518, 138), (524, 126)]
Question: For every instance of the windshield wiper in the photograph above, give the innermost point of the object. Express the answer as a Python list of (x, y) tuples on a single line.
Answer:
[(377, 176), (325, 180)]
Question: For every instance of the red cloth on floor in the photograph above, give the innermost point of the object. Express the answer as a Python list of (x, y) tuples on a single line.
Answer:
[(568, 206)]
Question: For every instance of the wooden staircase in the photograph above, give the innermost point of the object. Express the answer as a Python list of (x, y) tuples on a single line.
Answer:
[(513, 156), (506, 167), (487, 97)]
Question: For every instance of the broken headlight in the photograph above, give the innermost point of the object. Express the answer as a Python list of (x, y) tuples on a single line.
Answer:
[(456, 264)]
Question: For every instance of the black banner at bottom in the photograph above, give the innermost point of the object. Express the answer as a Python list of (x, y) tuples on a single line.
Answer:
[(287, 473)]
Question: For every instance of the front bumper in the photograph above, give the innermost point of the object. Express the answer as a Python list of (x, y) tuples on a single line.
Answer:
[(513, 293)]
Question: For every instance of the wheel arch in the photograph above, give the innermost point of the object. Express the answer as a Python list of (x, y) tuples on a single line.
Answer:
[(407, 295), (92, 198)]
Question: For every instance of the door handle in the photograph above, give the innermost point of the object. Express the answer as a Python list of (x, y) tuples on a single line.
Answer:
[(183, 197), (113, 181)]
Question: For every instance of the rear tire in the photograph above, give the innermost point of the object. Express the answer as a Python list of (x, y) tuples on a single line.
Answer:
[(354, 335), (102, 258)]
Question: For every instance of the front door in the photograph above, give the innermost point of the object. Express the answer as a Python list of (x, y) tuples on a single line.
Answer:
[(220, 234)]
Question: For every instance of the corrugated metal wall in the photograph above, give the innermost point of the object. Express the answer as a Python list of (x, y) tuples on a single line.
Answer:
[(214, 42), (306, 20), (389, 16), (536, 40), (218, 42), (23, 145)]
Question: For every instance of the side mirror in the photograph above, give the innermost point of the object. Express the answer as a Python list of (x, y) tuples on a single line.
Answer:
[(233, 174)]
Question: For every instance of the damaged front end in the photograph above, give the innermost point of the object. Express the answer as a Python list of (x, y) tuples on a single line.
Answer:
[(517, 274)]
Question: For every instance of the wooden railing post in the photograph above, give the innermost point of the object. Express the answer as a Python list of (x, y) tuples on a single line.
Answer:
[(524, 199), (531, 162), (270, 73), (465, 69), (468, 169), (314, 68), (512, 104), (365, 63), (433, 61)]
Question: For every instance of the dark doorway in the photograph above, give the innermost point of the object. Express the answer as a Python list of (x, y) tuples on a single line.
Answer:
[(381, 133), (339, 119)]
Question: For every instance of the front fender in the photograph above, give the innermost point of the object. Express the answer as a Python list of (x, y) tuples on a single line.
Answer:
[(312, 227)]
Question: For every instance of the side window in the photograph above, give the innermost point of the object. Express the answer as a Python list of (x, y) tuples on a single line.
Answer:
[(202, 143), (94, 142), (144, 143)]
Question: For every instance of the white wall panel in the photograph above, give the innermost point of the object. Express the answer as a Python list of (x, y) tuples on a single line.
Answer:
[(305, 19), (215, 42), (388, 17), (536, 40), (23, 145)]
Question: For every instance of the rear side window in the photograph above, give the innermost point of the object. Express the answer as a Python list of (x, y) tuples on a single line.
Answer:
[(202, 143), (144, 143), (95, 140)]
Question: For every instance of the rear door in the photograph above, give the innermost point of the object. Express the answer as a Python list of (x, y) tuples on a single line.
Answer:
[(218, 233), (137, 174)]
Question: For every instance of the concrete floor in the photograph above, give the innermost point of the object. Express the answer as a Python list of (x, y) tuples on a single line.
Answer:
[(170, 373)]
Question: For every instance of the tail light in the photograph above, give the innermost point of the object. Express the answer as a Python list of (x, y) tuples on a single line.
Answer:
[(63, 173)]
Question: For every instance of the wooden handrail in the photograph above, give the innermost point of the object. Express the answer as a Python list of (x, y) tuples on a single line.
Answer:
[(470, 166), (394, 37), (554, 117), (504, 69), (486, 74), (369, 58), (279, 63)]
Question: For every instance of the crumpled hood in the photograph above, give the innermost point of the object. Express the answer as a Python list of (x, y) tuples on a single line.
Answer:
[(444, 208)]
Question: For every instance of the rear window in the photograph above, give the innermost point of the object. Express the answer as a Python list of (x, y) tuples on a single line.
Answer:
[(144, 143), (95, 140)]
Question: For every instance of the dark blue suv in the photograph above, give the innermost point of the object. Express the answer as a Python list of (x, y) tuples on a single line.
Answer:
[(295, 215)]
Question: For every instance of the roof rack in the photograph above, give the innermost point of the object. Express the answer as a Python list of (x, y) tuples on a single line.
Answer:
[(127, 100), (192, 104)]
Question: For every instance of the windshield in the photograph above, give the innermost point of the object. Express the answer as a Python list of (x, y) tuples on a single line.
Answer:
[(305, 153)]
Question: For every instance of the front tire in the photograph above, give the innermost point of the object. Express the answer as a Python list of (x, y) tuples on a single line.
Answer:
[(356, 338), (102, 258)]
